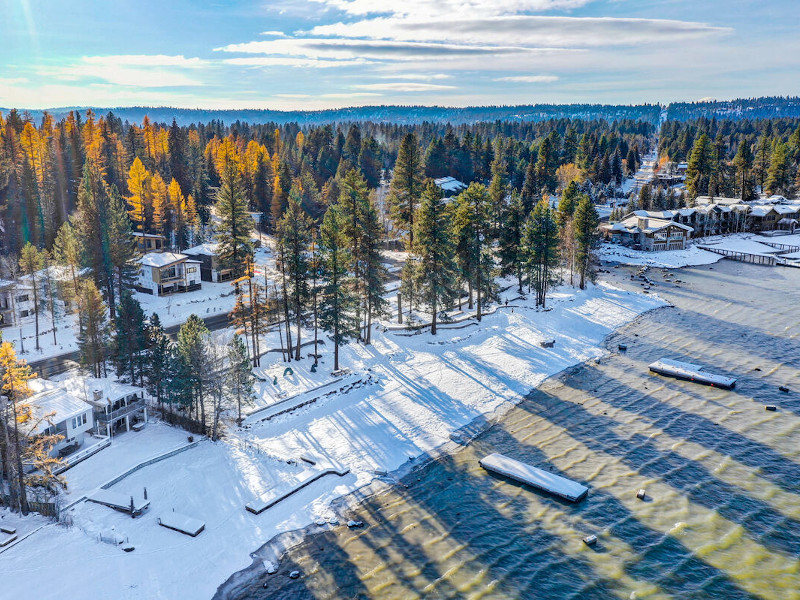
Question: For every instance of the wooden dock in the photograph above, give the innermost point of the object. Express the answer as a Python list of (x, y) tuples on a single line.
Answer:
[(181, 523), (758, 259), (120, 502), (534, 477), (691, 372)]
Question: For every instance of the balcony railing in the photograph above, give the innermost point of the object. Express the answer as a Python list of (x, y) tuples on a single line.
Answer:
[(123, 411)]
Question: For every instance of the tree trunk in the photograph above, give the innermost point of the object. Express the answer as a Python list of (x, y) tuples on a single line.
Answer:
[(433, 320), (23, 499)]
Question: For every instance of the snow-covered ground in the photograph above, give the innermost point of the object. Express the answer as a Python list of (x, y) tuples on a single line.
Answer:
[(742, 242), (417, 390), (669, 259)]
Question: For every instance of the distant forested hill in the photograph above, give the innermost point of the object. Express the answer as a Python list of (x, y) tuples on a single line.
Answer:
[(392, 114), (746, 108)]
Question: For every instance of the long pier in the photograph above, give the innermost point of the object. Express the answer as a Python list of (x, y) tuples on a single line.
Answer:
[(759, 259)]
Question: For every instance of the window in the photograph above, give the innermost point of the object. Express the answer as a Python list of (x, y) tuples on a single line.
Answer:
[(24, 313), (191, 270), (84, 418), (23, 298)]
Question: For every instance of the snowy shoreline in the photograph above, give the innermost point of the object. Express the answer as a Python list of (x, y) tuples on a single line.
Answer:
[(424, 389), (273, 551)]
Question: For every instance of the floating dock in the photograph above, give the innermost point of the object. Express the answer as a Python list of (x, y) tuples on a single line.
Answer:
[(182, 523), (120, 502), (534, 477), (691, 372)]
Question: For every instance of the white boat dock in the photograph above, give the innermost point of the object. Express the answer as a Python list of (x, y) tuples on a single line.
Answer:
[(534, 477), (120, 502), (182, 523), (691, 372)]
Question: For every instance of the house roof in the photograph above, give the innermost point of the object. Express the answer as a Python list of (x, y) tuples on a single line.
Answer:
[(785, 209), (60, 401), (761, 210), (633, 224), (148, 235), (207, 249), (450, 184), (83, 388), (161, 259)]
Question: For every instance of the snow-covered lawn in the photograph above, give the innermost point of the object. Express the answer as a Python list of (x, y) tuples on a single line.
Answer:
[(419, 389), (742, 242), (669, 259)]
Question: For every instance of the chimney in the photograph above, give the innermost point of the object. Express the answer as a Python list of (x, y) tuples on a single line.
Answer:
[(643, 221), (97, 395)]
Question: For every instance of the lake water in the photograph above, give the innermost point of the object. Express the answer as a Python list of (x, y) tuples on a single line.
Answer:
[(722, 474)]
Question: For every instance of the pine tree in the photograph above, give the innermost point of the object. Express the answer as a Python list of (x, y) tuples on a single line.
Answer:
[(586, 222), (471, 230), (779, 178), (406, 186), (68, 252), (122, 251), (337, 300), (743, 162), (433, 245), (93, 331), (160, 202), (700, 168), (130, 340), (157, 359), (375, 272), (510, 249), (239, 380), (31, 263), (294, 233), (235, 248), (193, 336), (354, 205), (540, 250), (762, 162)]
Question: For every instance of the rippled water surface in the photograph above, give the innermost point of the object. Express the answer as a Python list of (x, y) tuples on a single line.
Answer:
[(722, 518)]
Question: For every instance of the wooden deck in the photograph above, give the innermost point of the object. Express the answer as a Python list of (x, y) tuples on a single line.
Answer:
[(758, 259)]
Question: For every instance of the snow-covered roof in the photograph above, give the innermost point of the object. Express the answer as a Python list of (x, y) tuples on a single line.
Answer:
[(775, 199), (148, 235), (84, 388), (717, 200), (60, 401), (634, 223), (450, 184), (785, 209), (161, 259), (761, 210), (208, 249)]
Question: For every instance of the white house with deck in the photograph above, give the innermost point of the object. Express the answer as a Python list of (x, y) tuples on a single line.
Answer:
[(163, 273)]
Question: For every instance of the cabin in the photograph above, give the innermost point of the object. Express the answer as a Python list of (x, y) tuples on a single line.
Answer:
[(210, 269), (150, 242), (450, 186), (762, 217), (643, 232), (164, 273), (69, 417), (107, 407), (16, 302)]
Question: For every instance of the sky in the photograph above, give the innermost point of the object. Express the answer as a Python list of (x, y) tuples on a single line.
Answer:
[(312, 54)]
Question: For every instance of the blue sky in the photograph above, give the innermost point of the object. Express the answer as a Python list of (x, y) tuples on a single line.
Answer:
[(308, 54)]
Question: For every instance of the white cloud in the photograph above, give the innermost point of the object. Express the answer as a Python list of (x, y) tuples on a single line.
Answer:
[(292, 95), (343, 49), (273, 33), (529, 78), (131, 70), (400, 86), (524, 30), (449, 7), (286, 61), (418, 76), (345, 95)]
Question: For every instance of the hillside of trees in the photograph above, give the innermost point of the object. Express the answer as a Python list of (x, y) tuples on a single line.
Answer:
[(745, 109), (735, 158), (404, 115)]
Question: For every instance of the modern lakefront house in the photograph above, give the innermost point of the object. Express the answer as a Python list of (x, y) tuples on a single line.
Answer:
[(647, 233), (163, 273)]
